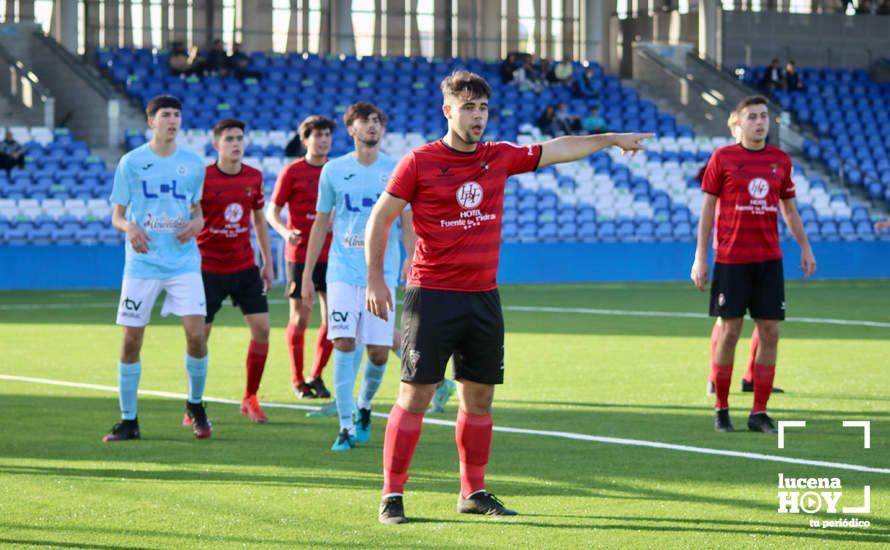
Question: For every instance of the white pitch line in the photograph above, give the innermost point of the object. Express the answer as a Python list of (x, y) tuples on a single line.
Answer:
[(505, 429), (531, 309), (684, 315)]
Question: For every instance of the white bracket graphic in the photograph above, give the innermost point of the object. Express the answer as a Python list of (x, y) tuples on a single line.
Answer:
[(866, 503), (789, 424), (866, 430)]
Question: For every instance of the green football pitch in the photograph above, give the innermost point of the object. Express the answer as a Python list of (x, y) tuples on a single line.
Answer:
[(604, 434)]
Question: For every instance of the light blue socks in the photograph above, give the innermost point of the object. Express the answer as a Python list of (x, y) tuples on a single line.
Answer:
[(197, 375), (128, 387)]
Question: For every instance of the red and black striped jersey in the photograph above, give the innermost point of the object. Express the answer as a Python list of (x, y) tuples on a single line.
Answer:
[(457, 200), (748, 185)]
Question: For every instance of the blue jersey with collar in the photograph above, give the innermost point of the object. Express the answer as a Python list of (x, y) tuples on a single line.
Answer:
[(159, 193), (351, 190)]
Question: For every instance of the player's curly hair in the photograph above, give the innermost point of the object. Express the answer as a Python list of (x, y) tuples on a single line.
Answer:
[(363, 109), (315, 122), (462, 80)]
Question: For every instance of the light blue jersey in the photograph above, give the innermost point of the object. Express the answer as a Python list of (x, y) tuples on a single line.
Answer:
[(159, 193), (352, 190)]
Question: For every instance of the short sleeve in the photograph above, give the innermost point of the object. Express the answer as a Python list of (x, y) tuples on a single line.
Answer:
[(326, 196), (120, 191), (281, 193), (712, 180), (198, 191), (403, 181), (519, 158), (259, 200), (786, 191)]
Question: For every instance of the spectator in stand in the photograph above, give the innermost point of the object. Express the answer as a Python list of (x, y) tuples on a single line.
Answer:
[(566, 121), (507, 68), (792, 79), (547, 122), (197, 62), (179, 59), (217, 60), (239, 64), (593, 123), (774, 78), (528, 75), (562, 71), (12, 154), (585, 86)]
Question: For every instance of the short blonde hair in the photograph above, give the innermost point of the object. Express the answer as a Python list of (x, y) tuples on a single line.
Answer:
[(733, 124)]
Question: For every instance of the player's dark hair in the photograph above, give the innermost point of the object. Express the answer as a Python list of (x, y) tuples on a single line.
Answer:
[(225, 124), (748, 101), (363, 109), (461, 80), (162, 102), (315, 122)]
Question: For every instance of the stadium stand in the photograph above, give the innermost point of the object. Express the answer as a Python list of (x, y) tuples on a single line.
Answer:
[(850, 115), (61, 195)]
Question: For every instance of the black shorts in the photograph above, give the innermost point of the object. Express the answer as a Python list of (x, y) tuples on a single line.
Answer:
[(294, 288), (467, 326), (245, 288), (758, 288)]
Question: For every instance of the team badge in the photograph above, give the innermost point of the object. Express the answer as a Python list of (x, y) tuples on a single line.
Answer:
[(233, 213), (182, 170), (413, 358), (773, 168), (721, 300), (758, 188), (485, 166), (384, 178), (248, 190), (469, 195)]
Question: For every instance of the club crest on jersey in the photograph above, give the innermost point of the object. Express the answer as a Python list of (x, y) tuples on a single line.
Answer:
[(248, 190), (182, 170), (384, 178), (469, 195), (773, 168), (233, 212), (758, 188)]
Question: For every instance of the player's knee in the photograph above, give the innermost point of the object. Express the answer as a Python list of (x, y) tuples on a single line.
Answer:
[(131, 347), (344, 344), (196, 341), (415, 398), (730, 331), (768, 333), (260, 333), (378, 355)]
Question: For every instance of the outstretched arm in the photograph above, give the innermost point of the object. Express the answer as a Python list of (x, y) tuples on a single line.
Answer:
[(377, 297), (571, 148)]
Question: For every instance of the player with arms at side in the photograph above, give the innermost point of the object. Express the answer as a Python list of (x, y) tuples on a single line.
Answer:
[(351, 185), (156, 197), (745, 186), (452, 309), (747, 385), (297, 188), (233, 195)]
